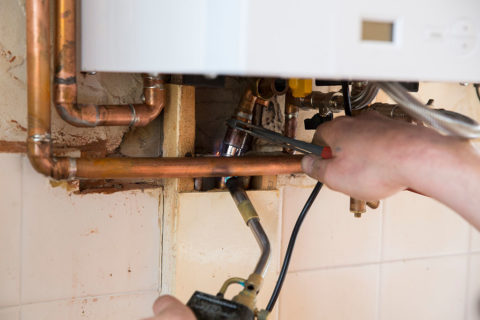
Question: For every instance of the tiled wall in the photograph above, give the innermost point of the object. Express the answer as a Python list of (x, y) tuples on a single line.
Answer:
[(68, 256), (412, 258)]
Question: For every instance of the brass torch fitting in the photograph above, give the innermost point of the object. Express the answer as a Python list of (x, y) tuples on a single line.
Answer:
[(248, 296)]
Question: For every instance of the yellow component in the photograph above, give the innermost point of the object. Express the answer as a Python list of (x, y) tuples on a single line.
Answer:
[(247, 210), (300, 87)]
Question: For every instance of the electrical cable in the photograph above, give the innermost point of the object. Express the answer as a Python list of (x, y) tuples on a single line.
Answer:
[(477, 86), (291, 244), (347, 104)]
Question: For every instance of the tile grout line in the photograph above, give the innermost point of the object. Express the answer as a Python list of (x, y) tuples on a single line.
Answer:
[(380, 266), (106, 295), (467, 273), (161, 249), (20, 280), (365, 264), (282, 225)]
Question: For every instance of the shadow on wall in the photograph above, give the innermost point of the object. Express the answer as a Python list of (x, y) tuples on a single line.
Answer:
[(478, 306)]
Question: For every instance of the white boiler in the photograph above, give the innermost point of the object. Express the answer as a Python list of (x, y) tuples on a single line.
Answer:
[(437, 40)]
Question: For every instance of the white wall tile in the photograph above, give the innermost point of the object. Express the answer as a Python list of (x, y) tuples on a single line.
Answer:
[(12, 313), (417, 226), (339, 293), (10, 221), (473, 306), (213, 242), (84, 245), (330, 234), (119, 307), (424, 289), (475, 241)]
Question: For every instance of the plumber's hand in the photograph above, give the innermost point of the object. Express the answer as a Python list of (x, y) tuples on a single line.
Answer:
[(372, 155), (170, 308)]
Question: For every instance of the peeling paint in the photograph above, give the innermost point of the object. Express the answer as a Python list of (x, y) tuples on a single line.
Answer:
[(18, 125)]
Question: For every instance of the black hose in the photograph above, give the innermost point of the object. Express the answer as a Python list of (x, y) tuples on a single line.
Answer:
[(291, 244), (476, 86), (347, 104)]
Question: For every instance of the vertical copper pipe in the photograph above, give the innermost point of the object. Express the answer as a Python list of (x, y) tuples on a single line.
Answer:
[(91, 115), (291, 117), (38, 67), (236, 142), (38, 92)]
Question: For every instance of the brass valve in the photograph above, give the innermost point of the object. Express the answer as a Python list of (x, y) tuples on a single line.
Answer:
[(358, 207)]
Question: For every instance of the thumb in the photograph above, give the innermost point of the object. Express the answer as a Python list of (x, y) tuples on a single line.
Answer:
[(315, 166)]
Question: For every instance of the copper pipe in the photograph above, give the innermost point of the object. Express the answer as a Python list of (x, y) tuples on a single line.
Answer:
[(236, 142), (39, 141), (124, 168), (38, 74), (90, 115), (267, 88), (291, 119)]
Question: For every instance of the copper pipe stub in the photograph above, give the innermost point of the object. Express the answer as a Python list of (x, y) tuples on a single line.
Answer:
[(267, 88)]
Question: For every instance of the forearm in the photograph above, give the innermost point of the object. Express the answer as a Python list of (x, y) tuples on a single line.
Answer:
[(448, 170)]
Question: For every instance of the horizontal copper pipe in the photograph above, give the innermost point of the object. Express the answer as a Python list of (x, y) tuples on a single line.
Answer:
[(90, 115), (124, 168)]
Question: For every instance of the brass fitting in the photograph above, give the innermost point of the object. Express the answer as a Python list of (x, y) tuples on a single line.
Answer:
[(248, 296), (247, 210), (229, 282), (358, 207)]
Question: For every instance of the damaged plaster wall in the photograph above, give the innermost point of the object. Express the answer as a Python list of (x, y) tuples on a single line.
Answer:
[(101, 89)]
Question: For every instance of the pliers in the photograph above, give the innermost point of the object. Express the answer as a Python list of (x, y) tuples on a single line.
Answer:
[(278, 139)]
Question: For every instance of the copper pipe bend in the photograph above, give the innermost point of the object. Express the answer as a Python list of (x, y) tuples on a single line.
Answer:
[(91, 115)]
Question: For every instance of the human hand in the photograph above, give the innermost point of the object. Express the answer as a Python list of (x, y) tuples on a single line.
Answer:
[(169, 308), (373, 156)]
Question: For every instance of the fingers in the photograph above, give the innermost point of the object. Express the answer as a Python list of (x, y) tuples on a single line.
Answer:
[(321, 136), (327, 133), (168, 307), (164, 302), (315, 167)]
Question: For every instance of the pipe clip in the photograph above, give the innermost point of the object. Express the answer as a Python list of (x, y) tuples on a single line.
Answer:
[(134, 116), (40, 138), (244, 115), (291, 115), (72, 168)]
